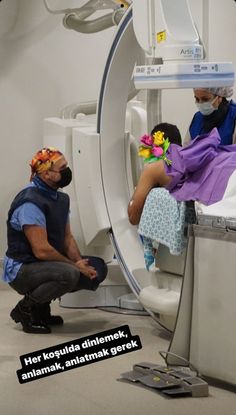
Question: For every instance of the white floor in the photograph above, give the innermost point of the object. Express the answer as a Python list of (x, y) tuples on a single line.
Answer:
[(91, 389)]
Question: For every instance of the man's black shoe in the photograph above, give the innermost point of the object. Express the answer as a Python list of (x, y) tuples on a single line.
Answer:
[(29, 325), (42, 312), (54, 321)]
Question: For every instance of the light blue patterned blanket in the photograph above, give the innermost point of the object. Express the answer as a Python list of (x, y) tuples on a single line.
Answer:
[(164, 221)]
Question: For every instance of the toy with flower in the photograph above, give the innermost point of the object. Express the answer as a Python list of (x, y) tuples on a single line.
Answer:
[(154, 147)]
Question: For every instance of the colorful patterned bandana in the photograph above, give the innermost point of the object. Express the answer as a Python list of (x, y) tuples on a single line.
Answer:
[(44, 159)]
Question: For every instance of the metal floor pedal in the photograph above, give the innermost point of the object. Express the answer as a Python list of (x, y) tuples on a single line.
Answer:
[(170, 381)]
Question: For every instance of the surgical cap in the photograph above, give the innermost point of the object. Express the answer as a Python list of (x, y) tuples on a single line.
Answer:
[(44, 159), (224, 91)]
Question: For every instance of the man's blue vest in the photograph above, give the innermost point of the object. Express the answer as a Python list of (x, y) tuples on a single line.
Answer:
[(56, 214), (226, 129)]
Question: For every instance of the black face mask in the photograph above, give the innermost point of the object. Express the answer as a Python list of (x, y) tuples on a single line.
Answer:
[(66, 177)]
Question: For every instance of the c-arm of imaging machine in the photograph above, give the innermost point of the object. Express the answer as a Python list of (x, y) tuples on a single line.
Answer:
[(174, 59)]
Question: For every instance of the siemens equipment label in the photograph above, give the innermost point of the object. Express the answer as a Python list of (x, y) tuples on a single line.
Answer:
[(76, 353)]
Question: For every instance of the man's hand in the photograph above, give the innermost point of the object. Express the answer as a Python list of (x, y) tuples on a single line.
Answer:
[(86, 269)]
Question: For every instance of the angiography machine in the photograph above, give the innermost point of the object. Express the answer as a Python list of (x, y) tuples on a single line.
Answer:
[(156, 45)]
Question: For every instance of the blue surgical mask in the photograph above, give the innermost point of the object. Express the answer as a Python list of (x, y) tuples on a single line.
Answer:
[(206, 108)]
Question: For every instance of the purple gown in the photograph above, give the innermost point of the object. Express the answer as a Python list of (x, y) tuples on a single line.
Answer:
[(201, 170)]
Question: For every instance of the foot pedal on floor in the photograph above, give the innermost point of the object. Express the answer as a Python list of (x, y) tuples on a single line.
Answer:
[(171, 382)]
